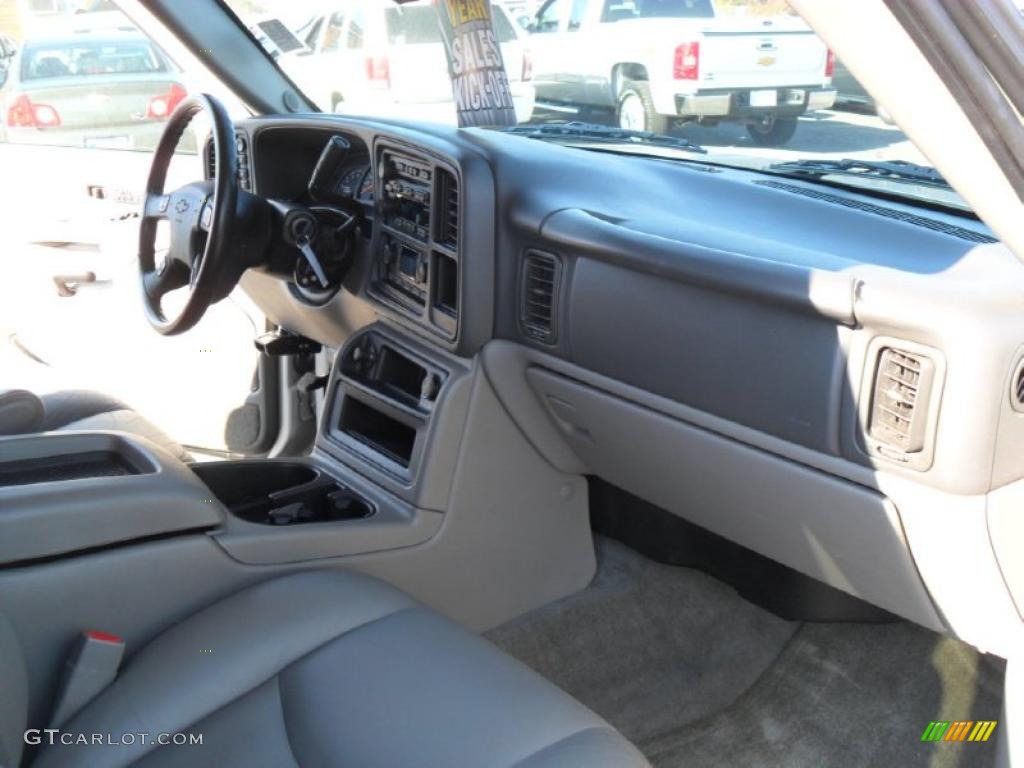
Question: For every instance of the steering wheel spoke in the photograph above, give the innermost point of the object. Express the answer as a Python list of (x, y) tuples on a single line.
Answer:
[(155, 206), (170, 276)]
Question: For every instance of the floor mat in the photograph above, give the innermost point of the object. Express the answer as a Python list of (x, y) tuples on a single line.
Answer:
[(697, 676)]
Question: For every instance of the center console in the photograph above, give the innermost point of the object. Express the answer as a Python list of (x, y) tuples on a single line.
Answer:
[(383, 408), (63, 493), (373, 481)]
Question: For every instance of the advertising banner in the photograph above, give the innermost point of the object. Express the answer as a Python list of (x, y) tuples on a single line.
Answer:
[(479, 82)]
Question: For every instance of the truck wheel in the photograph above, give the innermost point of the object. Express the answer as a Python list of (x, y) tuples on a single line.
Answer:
[(772, 132), (636, 109)]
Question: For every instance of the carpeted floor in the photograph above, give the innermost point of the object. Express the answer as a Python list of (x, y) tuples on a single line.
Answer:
[(696, 676)]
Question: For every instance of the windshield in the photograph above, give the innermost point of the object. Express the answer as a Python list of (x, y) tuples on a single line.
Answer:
[(746, 80)]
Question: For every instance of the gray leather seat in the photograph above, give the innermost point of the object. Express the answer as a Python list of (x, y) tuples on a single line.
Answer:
[(331, 668), (22, 412)]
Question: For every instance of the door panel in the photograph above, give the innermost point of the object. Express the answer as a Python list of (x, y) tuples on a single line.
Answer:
[(70, 309)]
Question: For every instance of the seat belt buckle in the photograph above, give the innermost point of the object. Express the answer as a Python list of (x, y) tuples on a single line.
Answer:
[(91, 666)]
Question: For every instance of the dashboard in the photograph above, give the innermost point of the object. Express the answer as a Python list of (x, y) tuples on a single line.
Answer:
[(673, 326)]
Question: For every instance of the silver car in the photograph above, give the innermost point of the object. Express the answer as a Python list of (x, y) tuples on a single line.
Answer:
[(114, 90)]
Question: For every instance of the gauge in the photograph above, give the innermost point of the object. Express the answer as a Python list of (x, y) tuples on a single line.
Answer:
[(366, 188), (349, 184)]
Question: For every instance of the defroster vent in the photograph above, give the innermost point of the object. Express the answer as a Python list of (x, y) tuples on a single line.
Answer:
[(899, 409), (539, 296)]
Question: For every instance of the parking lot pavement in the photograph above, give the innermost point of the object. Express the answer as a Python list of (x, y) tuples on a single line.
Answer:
[(829, 134)]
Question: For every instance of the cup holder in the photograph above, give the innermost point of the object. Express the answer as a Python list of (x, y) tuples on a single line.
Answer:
[(281, 493)]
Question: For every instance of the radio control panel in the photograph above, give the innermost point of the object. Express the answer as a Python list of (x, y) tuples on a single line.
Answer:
[(406, 199), (416, 269)]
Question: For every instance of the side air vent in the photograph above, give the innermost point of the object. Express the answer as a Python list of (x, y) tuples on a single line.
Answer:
[(211, 160), (934, 225), (899, 407), (242, 147), (1017, 387), (539, 296), (448, 211)]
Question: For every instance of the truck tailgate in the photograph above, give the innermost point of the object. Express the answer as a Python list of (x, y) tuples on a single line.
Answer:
[(760, 58)]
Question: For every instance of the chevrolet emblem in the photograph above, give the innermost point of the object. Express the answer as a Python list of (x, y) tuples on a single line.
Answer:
[(766, 61)]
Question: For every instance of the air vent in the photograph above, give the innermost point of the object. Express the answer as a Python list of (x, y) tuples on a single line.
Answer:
[(242, 147), (539, 296), (211, 160), (890, 213), (899, 407), (1017, 387), (448, 214)]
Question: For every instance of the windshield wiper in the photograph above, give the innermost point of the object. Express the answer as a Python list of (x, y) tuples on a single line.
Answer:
[(579, 131), (893, 170)]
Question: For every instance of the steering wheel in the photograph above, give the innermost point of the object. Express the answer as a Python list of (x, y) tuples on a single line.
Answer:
[(207, 233)]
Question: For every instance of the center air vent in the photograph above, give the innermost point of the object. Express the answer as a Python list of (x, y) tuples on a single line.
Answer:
[(899, 408), (539, 296), (448, 213)]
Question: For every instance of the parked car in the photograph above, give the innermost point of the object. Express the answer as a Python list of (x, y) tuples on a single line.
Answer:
[(850, 94), (376, 57), (111, 90), (656, 62)]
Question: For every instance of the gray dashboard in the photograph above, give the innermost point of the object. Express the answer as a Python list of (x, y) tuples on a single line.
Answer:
[(728, 291), (855, 363)]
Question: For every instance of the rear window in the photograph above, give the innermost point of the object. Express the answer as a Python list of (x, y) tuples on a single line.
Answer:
[(419, 24), (618, 10), (90, 58)]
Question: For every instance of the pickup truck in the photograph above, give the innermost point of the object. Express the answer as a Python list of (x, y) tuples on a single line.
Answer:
[(657, 62)]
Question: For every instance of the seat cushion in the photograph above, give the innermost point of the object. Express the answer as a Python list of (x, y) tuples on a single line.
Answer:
[(334, 668)]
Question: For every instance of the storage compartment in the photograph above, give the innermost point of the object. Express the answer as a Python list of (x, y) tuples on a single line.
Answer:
[(399, 376), (446, 284), (386, 368), (76, 466), (281, 493), (377, 430)]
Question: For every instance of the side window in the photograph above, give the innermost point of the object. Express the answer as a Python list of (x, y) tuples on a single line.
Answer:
[(311, 37), (577, 14), (89, 94), (551, 15), (503, 27), (332, 36), (355, 31), (44, 6), (617, 10)]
